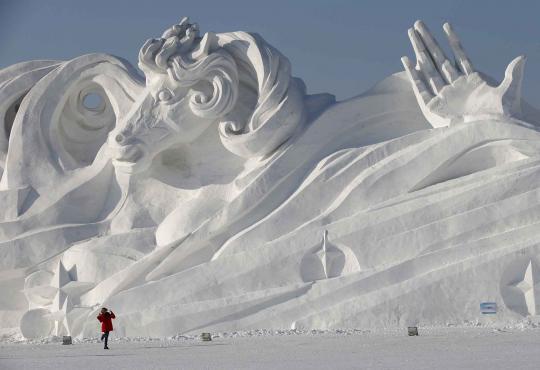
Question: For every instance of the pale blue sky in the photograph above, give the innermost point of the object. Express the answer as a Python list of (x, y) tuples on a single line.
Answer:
[(339, 46)]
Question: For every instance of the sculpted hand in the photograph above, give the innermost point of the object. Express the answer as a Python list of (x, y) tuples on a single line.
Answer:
[(451, 93)]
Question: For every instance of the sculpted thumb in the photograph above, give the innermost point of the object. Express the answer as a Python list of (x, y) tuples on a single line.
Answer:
[(511, 86)]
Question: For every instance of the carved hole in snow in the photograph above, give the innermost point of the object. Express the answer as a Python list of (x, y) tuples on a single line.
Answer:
[(86, 120), (93, 101)]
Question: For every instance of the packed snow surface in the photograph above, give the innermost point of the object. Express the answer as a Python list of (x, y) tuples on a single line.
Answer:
[(442, 348)]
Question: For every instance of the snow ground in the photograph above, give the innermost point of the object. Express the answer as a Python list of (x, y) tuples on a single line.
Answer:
[(442, 348)]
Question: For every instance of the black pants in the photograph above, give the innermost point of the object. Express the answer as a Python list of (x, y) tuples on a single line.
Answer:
[(105, 337)]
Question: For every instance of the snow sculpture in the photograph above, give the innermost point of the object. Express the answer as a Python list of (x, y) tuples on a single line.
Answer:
[(235, 79), (329, 261), (527, 286), (450, 94), (519, 286), (193, 199), (36, 323)]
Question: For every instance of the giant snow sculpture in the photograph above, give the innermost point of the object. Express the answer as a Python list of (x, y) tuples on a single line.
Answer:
[(216, 194)]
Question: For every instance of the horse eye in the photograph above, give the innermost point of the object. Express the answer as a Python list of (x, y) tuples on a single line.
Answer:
[(164, 95)]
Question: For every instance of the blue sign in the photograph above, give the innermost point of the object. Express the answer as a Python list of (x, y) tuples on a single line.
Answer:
[(488, 308)]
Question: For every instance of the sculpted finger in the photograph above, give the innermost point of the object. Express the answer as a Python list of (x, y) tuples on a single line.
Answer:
[(444, 66), (425, 63), (462, 60), (423, 95)]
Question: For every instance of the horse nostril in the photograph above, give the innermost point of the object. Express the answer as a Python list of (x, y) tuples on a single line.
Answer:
[(120, 138)]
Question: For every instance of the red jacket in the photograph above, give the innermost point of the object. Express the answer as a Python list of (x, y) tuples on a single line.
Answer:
[(106, 321)]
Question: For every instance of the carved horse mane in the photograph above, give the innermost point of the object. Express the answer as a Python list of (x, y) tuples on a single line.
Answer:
[(258, 103)]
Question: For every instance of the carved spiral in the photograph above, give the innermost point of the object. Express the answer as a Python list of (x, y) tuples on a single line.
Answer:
[(219, 70), (226, 62)]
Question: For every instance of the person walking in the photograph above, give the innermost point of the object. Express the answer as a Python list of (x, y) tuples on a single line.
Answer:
[(105, 318)]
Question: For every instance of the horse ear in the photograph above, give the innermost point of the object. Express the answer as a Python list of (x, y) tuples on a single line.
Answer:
[(218, 69), (203, 49)]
